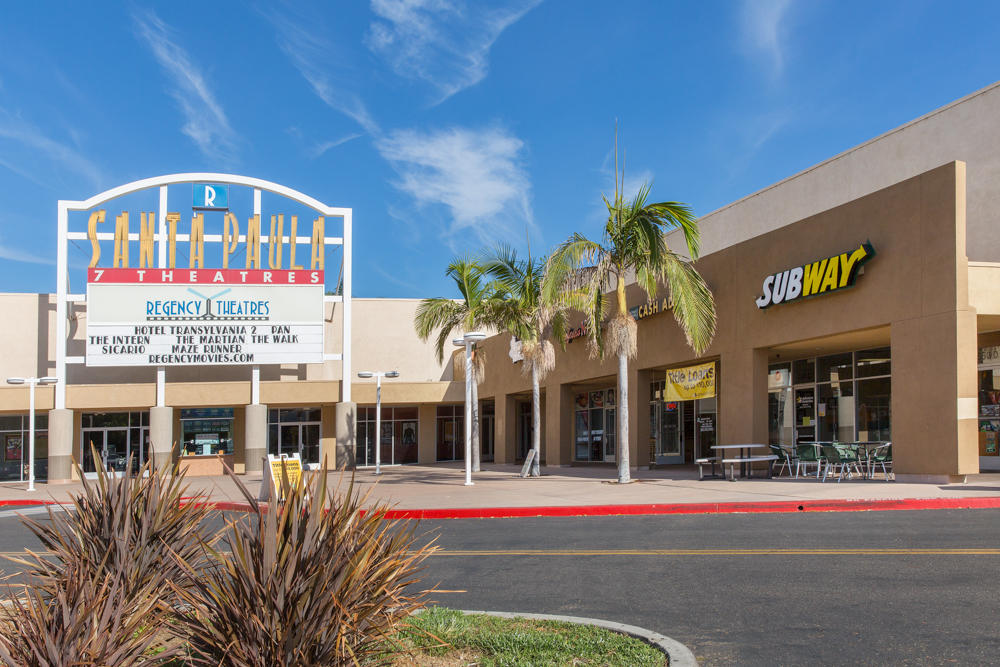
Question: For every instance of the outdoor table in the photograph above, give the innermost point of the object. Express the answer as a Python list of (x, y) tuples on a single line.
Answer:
[(868, 446), (743, 449), (818, 446)]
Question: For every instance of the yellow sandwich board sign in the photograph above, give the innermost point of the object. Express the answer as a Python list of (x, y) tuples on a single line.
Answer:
[(278, 469)]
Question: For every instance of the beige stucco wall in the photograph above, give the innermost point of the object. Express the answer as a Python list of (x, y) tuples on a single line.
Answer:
[(912, 295)]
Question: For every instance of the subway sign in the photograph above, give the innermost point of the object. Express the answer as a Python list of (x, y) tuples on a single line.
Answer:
[(820, 277)]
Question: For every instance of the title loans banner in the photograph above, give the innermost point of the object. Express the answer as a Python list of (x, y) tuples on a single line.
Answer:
[(197, 317), (685, 384)]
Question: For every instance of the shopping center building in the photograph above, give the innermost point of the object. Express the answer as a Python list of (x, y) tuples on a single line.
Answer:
[(857, 300)]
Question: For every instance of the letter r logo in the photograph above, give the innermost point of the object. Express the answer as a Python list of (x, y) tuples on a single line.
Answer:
[(209, 196)]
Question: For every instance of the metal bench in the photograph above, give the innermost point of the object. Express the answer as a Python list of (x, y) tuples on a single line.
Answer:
[(748, 460), (709, 460)]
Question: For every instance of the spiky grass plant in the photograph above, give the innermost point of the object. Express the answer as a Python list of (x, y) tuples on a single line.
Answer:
[(316, 580), (143, 523), (86, 622), (110, 572)]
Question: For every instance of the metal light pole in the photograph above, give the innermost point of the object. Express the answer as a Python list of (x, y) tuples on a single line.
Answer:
[(378, 375), (31, 382), (467, 341)]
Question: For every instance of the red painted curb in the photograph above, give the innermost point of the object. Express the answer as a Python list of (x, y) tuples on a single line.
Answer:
[(787, 506), (992, 502)]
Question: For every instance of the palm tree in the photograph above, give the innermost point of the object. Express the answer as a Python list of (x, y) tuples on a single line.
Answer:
[(580, 271), (521, 312), (446, 316)]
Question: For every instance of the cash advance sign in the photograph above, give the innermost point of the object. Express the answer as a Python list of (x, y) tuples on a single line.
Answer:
[(144, 316), (820, 277)]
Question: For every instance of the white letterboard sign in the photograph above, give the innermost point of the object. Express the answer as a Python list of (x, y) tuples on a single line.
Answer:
[(200, 317)]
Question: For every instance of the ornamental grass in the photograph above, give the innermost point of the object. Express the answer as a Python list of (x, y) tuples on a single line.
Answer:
[(113, 564), (315, 580)]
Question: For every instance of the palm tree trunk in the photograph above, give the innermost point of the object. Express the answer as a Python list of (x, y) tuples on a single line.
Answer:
[(475, 424), (536, 423), (622, 412)]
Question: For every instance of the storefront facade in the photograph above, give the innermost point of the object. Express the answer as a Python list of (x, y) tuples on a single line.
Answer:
[(848, 309)]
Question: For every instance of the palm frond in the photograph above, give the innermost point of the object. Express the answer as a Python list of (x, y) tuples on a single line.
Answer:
[(692, 301)]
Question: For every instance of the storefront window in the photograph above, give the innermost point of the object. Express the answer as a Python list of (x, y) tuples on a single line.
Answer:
[(595, 425), (835, 411), (989, 409), (294, 431), (14, 438), (116, 437), (206, 431), (872, 363), (845, 400), (399, 436), (804, 371), (450, 432), (874, 401), (835, 368)]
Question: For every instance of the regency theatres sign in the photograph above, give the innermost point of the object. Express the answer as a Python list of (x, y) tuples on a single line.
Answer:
[(820, 277), (143, 310)]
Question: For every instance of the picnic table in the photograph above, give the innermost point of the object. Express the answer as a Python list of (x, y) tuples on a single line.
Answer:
[(744, 458)]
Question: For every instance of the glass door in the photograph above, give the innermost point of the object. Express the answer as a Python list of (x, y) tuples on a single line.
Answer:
[(670, 445), (111, 444), (805, 414)]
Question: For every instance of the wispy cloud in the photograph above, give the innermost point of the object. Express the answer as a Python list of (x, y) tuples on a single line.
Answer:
[(476, 174), (316, 59), (318, 149), (762, 30), (443, 42), (13, 254), (206, 123), (57, 155)]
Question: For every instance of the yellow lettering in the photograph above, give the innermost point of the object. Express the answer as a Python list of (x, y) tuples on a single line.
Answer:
[(318, 244), (230, 237), (196, 257), (121, 241), (291, 258), (95, 217), (253, 242), (272, 240), (147, 229), (813, 277), (848, 263), (655, 307), (830, 278), (665, 306), (172, 220)]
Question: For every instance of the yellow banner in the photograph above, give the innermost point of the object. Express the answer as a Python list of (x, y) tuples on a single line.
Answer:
[(685, 384)]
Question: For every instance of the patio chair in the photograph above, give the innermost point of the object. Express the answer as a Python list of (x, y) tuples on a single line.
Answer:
[(842, 458), (784, 460), (806, 455), (881, 456)]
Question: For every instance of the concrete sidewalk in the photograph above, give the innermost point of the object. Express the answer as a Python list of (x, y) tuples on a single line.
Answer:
[(441, 486)]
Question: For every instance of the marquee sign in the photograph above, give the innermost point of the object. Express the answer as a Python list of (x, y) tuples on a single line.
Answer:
[(257, 297), (820, 277), (163, 317)]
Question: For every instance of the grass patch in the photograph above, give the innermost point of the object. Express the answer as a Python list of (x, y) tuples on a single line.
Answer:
[(445, 637)]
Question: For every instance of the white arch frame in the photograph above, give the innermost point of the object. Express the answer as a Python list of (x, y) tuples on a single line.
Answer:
[(160, 239)]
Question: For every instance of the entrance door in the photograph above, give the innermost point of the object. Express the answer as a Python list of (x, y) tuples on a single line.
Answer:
[(805, 417), (670, 445), (303, 439), (111, 444), (486, 438)]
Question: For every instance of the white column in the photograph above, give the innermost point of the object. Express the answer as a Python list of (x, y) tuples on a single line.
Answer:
[(31, 434), (468, 413), (378, 424), (255, 372), (61, 278), (161, 262), (345, 385)]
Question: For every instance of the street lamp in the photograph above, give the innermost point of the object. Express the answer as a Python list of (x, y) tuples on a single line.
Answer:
[(378, 375), (467, 342), (31, 382)]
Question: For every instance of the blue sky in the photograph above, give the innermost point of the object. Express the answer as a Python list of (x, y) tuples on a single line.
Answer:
[(447, 125)]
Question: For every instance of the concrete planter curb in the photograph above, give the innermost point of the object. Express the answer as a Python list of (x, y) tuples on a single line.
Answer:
[(678, 654)]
